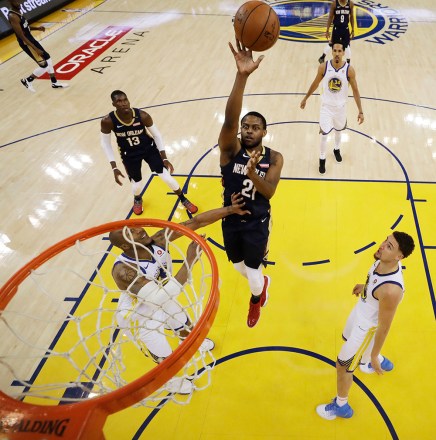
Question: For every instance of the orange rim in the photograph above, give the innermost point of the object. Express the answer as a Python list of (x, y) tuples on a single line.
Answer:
[(93, 412)]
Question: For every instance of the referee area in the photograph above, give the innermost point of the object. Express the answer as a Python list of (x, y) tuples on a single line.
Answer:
[(268, 380)]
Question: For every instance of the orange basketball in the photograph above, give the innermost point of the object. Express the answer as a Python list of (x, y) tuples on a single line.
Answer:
[(257, 25)]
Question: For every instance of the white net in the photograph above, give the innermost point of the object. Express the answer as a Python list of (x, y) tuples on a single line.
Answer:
[(70, 333)]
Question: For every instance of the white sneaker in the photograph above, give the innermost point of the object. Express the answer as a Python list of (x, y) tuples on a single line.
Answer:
[(206, 345), (28, 85), (179, 385), (58, 85)]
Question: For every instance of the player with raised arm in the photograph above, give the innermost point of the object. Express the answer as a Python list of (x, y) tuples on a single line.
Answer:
[(249, 168)]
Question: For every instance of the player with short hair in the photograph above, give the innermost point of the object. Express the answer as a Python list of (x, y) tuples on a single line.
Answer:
[(143, 272), (370, 320), (341, 14), (334, 75), (138, 140), (32, 47), (249, 168)]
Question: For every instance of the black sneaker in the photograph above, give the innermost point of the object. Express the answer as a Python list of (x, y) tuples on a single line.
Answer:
[(338, 155), (321, 59), (322, 166)]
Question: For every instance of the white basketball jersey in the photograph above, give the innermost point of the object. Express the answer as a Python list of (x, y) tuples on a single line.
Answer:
[(368, 306), (157, 267), (335, 85)]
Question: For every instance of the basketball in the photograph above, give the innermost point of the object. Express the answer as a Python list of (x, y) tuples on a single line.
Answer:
[(257, 25)]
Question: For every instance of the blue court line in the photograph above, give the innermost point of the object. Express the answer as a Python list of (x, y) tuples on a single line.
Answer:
[(365, 247), (430, 247), (279, 348), (419, 200), (311, 263), (397, 221), (215, 243)]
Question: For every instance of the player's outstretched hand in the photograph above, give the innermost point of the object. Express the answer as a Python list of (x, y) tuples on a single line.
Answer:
[(238, 203), (193, 252), (244, 58), (360, 118), (117, 175)]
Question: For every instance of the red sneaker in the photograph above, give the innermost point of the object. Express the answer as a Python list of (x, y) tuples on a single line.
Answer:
[(264, 295), (190, 206), (137, 206), (253, 314)]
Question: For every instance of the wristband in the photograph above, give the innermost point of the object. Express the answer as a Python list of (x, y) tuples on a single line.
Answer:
[(165, 160), (115, 168)]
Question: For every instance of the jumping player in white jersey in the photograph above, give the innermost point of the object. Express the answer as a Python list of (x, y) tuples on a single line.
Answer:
[(249, 168), (369, 322), (341, 14), (335, 76), (138, 140), (32, 47), (146, 307)]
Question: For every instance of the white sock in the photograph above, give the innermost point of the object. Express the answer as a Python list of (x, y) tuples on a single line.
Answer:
[(341, 401), (323, 146), (337, 140)]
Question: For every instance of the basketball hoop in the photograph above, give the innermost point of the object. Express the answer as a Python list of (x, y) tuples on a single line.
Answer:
[(84, 419)]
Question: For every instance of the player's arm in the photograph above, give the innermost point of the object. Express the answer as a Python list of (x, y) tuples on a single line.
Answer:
[(14, 20), (204, 219), (192, 253), (37, 28), (330, 19), (314, 85), (106, 126), (266, 186), (352, 19), (147, 120), (127, 278), (228, 141), (389, 296), (358, 289), (356, 94)]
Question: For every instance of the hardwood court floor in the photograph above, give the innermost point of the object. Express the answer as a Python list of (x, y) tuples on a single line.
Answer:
[(268, 381)]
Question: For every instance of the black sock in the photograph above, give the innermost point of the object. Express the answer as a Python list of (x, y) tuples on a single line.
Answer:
[(30, 79), (138, 198), (53, 80), (182, 197), (255, 299)]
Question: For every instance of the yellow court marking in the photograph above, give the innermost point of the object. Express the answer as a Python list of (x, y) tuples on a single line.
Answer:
[(309, 304)]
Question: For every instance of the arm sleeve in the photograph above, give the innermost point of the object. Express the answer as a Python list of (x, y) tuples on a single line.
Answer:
[(107, 147), (157, 137)]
